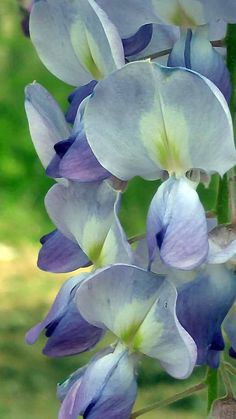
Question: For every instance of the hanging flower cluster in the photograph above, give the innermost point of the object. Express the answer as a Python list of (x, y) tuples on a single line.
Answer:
[(150, 100)]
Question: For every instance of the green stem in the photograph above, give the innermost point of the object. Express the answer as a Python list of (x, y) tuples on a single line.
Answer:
[(212, 384), (175, 398), (222, 205), (231, 64)]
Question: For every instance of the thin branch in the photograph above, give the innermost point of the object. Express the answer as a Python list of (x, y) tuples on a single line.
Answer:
[(135, 239), (175, 398), (218, 43)]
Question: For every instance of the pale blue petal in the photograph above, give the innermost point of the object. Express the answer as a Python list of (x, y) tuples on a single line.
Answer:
[(216, 9), (47, 123), (75, 40), (107, 389), (50, 23), (167, 129), (141, 259), (176, 223), (194, 51), (161, 336), (164, 38), (83, 212), (118, 298), (129, 17), (116, 248)]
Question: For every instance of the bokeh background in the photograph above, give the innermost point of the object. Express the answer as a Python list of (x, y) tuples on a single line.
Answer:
[(28, 379)]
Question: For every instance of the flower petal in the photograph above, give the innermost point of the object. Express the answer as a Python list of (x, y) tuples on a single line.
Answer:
[(194, 51), (79, 162), (139, 41), (229, 326), (167, 129), (76, 98), (176, 223), (118, 298), (47, 123), (202, 306), (60, 254), (67, 331), (161, 336), (129, 17), (75, 40), (83, 212), (107, 389)]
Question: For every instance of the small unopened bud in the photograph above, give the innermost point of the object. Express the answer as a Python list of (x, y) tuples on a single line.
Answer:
[(224, 409)]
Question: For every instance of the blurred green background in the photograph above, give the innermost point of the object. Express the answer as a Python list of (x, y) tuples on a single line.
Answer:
[(28, 379)]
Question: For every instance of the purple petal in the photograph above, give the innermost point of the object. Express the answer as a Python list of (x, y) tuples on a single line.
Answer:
[(76, 98), (60, 254), (177, 225), (68, 333), (139, 41), (202, 306), (79, 162)]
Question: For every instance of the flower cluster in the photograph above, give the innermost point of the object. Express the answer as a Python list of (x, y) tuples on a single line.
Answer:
[(150, 100)]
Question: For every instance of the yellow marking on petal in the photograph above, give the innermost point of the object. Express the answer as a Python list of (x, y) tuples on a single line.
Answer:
[(85, 47), (137, 342), (165, 135), (92, 245), (128, 334), (181, 18)]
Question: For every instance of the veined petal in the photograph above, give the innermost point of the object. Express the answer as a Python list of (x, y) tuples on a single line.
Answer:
[(75, 40), (60, 254), (83, 212), (119, 298), (161, 336), (47, 123), (194, 51), (168, 129), (176, 223)]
